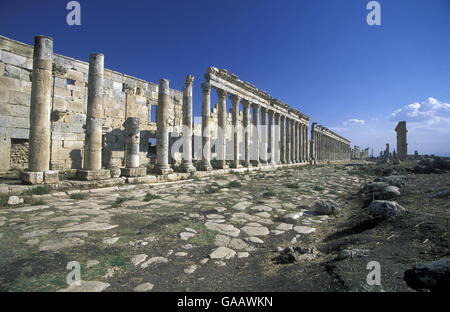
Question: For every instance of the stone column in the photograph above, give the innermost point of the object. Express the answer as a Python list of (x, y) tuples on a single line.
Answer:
[(276, 145), (283, 139), (236, 130), (162, 131), (292, 142), (305, 142), (222, 130), (402, 145), (263, 136), (92, 169), (288, 140), (186, 165), (297, 141), (247, 132), (300, 142), (41, 88), (255, 135), (271, 137), (132, 141), (206, 131)]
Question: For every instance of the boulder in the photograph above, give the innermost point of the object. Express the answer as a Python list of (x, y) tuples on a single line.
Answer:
[(394, 180), (434, 276), (385, 209), (295, 254), (374, 187), (326, 207), (390, 192), (14, 200)]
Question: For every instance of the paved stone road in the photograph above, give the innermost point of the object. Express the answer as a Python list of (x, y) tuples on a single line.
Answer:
[(142, 236)]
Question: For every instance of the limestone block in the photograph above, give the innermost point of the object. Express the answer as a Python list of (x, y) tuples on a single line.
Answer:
[(10, 83), (14, 59), (19, 133), (25, 86), (51, 177), (12, 71), (133, 172), (21, 98), (20, 110), (2, 67), (75, 75), (89, 175), (32, 177), (21, 122), (5, 146)]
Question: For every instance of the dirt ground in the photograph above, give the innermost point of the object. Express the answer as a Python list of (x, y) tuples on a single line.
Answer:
[(177, 227)]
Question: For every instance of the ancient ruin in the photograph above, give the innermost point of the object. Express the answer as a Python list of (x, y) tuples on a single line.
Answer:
[(85, 117), (402, 145)]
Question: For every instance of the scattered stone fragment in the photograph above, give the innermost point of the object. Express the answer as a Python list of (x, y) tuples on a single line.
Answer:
[(255, 240), (262, 208), (222, 253), (394, 180), (86, 286), (442, 194), (186, 235), (138, 259), (154, 260), (294, 254), (243, 254), (190, 230), (390, 192), (181, 254), (111, 240), (190, 269), (292, 217), (204, 261), (91, 263), (37, 233), (14, 200), (304, 229), (385, 209), (222, 240), (143, 287), (326, 207), (352, 253)]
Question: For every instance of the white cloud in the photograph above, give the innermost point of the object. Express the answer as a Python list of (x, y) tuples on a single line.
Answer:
[(358, 122), (430, 114)]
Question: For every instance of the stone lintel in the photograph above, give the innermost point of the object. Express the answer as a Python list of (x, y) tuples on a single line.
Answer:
[(90, 175), (133, 172)]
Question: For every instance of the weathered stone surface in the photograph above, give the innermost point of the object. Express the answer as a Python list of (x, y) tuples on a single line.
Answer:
[(143, 287), (294, 254), (442, 194), (91, 263), (226, 229), (352, 253), (88, 226), (222, 253), (57, 244), (390, 192), (284, 227), (385, 209), (186, 235), (190, 269), (304, 229), (242, 205), (292, 217), (14, 200), (154, 260), (395, 180), (326, 207), (138, 259), (86, 286), (255, 230), (434, 276)]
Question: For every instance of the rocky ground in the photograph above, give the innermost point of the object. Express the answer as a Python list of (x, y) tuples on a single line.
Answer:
[(257, 231)]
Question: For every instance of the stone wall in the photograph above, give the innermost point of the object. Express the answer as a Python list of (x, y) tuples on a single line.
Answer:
[(124, 96)]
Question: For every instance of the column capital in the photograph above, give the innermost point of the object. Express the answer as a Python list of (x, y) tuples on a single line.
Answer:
[(206, 87), (263, 109), (255, 106), (188, 80), (221, 93), (235, 98), (270, 112), (245, 103)]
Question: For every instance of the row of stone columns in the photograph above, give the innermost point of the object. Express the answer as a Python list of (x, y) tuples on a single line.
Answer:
[(326, 148), (286, 139)]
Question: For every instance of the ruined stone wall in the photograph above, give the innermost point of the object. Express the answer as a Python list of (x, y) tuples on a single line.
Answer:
[(124, 96)]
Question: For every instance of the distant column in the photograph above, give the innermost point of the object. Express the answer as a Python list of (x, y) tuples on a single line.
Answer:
[(271, 137), (222, 131), (206, 131), (263, 133), (40, 107), (255, 135), (292, 142), (402, 145), (283, 139), (276, 145), (236, 130), (132, 141), (247, 132), (288, 140), (162, 132), (186, 165)]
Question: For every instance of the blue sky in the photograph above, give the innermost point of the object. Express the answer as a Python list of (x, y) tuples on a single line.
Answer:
[(319, 56)]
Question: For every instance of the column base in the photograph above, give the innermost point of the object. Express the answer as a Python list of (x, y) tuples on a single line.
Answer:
[(40, 177), (89, 175), (256, 163), (205, 166), (187, 167), (247, 164), (163, 170), (133, 172), (235, 165)]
